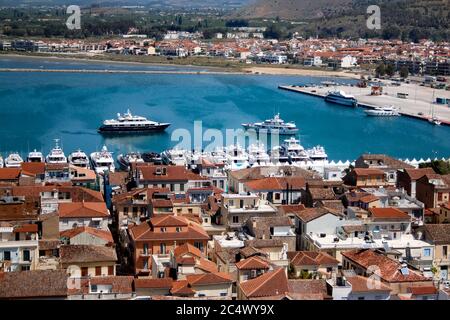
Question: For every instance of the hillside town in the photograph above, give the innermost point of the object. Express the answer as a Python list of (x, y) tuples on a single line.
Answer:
[(247, 46), (377, 229)]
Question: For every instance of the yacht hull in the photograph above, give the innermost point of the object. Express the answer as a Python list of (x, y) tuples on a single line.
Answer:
[(148, 129)]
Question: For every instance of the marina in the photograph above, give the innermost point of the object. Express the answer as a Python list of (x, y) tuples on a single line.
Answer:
[(414, 101), (72, 106)]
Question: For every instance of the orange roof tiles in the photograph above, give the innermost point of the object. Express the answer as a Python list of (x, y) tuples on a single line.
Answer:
[(311, 258), (253, 263), (388, 213), (103, 234), (83, 210), (271, 283), (9, 173)]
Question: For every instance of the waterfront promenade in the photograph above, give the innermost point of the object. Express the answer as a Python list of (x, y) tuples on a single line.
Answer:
[(419, 99)]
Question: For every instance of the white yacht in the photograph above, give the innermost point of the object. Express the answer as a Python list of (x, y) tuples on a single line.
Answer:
[(102, 161), (435, 121), (294, 150), (275, 125), (13, 161), (219, 155), (277, 154), (237, 158), (387, 111), (80, 159), (174, 156), (340, 97), (317, 153), (128, 123), (35, 156), (2, 163), (56, 155), (257, 154), (125, 160)]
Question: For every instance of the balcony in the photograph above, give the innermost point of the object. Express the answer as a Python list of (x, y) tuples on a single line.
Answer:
[(18, 244)]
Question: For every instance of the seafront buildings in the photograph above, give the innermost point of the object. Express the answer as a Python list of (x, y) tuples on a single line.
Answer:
[(425, 57), (210, 231)]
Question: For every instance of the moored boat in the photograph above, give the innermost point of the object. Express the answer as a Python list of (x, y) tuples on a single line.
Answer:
[(276, 125), (125, 160), (102, 161), (79, 158), (56, 155), (35, 156), (386, 111), (13, 161), (342, 98)]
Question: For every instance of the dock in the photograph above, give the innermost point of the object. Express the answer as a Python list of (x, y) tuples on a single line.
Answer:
[(410, 107)]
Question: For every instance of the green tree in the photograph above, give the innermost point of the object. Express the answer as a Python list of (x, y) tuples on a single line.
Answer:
[(380, 70), (390, 70), (404, 72)]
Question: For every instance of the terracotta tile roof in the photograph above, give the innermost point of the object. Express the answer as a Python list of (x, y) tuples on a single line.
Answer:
[(389, 268), (208, 279), (303, 289), (438, 233), (118, 178), (87, 253), (99, 233), (207, 265), (187, 248), (161, 283), (387, 161), (9, 173), (181, 287), (264, 243), (271, 283), (311, 258), (361, 284), (275, 183), (173, 173), (33, 284), (168, 221), (185, 260), (415, 174), (367, 171), (162, 203), (292, 208), (77, 194), (446, 205), (145, 232), (253, 263), (322, 194), (36, 168), (388, 214), (310, 214), (422, 290), (83, 210), (120, 284), (369, 198)]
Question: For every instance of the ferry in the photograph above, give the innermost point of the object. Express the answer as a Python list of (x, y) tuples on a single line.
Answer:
[(79, 159), (35, 156), (126, 160), (128, 123), (13, 161), (56, 155), (102, 161), (340, 97), (387, 111), (275, 125)]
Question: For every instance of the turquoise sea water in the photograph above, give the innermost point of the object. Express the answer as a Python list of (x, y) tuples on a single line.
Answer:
[(36, 108)]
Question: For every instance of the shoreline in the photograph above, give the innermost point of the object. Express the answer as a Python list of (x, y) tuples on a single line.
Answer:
[(243, 70)]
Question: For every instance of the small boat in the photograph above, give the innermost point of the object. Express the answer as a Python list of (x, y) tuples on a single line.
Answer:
[(126, 160), (128, 123), (340, 97), (79, 159), (13, 161), (387, 111), (152, 157), (102, 161), (435, 121), (56, 155), (275, 125), (35, 156)]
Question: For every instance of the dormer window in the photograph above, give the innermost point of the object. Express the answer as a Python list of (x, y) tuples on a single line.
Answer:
[(163, 229), (178, 229)]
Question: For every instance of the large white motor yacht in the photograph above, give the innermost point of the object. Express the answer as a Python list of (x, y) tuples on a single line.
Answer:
[(35, 156), (56, 155), (387, 111), (79, 158), (13, 161), (274, 125), (257, 154), (103, 161), (174, 156)]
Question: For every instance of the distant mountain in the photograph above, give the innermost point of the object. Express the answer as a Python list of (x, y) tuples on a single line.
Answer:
[(151, 3), (294, 9)]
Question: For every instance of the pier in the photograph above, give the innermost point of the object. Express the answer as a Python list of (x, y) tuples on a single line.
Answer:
[(419, 99)]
